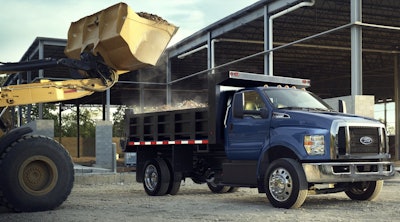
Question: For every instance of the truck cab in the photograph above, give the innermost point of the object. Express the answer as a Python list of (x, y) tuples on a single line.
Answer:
[(269, 124)]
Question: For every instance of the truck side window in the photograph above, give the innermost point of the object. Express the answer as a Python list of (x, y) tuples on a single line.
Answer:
[(252, 101)]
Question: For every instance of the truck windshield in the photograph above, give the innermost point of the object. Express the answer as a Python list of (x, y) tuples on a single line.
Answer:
[(283, 98)]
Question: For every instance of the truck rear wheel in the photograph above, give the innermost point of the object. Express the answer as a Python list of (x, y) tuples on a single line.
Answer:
[(175, 182), (364, 190), (156, 177), (37, 174), (285, 184)]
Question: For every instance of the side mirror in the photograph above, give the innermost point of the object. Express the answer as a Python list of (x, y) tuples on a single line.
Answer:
[(342, 106), (264, 113), (238, 105)]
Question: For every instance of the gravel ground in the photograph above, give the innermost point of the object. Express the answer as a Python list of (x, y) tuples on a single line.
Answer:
[(128, 202)]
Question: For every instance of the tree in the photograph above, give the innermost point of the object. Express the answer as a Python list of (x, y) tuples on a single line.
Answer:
[(69, 120), (86, 124), (49, 112), (119, 121)]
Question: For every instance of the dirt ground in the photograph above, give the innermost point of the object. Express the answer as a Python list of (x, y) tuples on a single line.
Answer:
[(128, 202)]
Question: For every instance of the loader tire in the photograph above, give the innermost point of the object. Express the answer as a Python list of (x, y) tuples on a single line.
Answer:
[(37, 174)]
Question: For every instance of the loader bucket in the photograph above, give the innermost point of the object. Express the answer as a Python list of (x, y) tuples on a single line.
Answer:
[(125, 40)]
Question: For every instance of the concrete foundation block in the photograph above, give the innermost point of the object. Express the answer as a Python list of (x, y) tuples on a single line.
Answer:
[(42, 127), (362, 105), (105, 154)]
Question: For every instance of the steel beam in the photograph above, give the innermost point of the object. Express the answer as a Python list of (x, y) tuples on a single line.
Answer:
[(230, 23)]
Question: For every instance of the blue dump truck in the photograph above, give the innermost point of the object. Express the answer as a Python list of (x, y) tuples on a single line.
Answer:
[(282, 140)]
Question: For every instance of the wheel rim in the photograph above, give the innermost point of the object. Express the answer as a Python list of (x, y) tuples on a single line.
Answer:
[(360, 188), (151, 177), (280, 184), (38, 175)]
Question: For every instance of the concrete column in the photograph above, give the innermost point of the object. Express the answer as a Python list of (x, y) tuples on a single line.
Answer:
[(104, 151)]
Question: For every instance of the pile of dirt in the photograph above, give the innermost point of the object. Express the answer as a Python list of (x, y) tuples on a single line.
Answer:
[(186, 104), (153, 17)]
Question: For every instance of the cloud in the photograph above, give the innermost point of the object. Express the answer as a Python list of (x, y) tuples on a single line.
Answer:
[(24, 20)]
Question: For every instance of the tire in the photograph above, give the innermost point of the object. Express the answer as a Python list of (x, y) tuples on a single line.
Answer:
[(156, 177), (285, 184), (364, 190), (175, 183), (176, 178), (37, 174), (217, 188)]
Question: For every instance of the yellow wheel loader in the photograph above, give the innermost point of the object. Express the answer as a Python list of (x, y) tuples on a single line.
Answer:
[(36, 172)]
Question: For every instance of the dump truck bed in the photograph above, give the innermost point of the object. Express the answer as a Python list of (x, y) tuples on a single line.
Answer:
[(169, 127)]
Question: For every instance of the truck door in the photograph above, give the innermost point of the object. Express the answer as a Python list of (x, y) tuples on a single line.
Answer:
[(247, 126)]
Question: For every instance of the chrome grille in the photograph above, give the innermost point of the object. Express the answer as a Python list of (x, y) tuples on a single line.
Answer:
[(358, 140), (364, 140)]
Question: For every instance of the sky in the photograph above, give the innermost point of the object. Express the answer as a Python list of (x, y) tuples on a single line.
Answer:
[(23, 20)]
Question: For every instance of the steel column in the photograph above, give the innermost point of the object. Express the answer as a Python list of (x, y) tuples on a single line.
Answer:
[(168, 80), (108, 103), (212, 87), (41, 75), (141, 94), (267, 56), (397, 104), (356, 48)]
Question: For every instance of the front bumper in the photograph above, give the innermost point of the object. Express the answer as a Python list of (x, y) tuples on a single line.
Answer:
[(348, 171)]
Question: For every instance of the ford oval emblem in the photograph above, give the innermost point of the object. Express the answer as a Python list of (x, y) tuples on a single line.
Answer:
[(366, 140)]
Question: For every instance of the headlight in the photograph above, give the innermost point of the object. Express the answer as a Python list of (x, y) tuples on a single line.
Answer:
[(314, 144)]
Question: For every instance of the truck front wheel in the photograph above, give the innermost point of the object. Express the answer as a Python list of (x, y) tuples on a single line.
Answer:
[(156, 177), (285, 184), (37, 174), (364, 190)]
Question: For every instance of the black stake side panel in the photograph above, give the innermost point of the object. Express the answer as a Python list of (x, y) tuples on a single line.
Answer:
[(187, 124)]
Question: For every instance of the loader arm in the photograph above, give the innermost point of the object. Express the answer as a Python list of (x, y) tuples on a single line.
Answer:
[(49, 91), (100, 47)]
